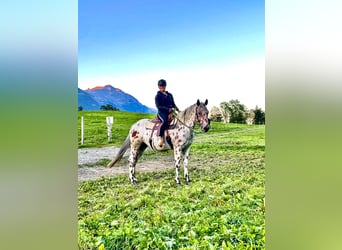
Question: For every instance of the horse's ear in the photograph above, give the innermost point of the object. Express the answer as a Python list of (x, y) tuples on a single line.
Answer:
[(198, 102), (206, 102)]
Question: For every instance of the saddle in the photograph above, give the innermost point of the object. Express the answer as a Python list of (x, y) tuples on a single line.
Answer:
[(155, 124)]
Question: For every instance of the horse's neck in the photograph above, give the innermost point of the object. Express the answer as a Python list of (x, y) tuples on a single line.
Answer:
[(188, 116)]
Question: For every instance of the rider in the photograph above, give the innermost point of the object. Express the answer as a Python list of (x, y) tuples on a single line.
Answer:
[(165, 104)]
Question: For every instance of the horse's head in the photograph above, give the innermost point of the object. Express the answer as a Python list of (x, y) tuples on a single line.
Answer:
[(202, 115)]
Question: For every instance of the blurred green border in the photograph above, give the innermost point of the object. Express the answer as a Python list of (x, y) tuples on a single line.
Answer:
[(38, 101), (303, 126), (38, 107)]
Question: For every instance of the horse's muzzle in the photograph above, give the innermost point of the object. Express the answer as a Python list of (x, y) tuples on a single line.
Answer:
[(206, 128)]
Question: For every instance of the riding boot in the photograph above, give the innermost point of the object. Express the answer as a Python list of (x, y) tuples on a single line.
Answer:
[(161, 141)]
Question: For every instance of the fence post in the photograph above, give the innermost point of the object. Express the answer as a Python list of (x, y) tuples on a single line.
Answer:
[(82, 130), (109, 120)]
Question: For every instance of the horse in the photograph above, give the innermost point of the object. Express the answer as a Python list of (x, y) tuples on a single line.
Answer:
[(179, 137)]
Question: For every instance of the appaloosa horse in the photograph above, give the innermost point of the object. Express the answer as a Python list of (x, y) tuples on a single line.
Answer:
[(179, 137)]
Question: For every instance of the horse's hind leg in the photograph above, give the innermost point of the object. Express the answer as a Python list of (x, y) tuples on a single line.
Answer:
[(141, 150), (132, 170), (136, 152), (133, 157)]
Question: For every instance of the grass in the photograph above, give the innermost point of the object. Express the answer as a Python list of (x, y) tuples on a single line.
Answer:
[(223, 208), (95, 127)]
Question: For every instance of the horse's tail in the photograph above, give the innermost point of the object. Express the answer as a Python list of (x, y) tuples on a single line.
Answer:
[(121, 152)]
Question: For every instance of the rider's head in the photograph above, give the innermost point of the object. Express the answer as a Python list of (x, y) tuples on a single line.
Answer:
[(161, 83)]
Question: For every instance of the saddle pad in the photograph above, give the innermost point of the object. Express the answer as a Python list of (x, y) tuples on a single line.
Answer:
[(151, 124)]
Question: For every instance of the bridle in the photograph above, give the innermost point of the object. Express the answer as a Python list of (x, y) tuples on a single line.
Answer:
[(175, 115)]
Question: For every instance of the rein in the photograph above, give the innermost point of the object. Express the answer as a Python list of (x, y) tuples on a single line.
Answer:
[(183, 123)]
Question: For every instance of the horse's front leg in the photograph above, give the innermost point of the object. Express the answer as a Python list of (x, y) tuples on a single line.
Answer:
[(185, 162), (177, 155)]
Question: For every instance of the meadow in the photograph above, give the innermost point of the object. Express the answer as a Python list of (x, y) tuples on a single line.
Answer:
[(223, 207)]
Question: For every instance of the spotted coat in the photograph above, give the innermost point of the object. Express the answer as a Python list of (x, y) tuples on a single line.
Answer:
[(141, 136)]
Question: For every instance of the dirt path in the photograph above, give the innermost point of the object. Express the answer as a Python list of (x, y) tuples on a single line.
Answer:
[(91, 156)]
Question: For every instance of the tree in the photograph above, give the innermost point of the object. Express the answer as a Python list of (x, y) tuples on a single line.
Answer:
[(259, 116), (225, 112), (80, 108), (108, 107), (215, 114), (250, 116), (236, 111)]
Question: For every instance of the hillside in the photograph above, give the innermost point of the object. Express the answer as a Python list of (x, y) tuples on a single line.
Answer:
[(93, 98)]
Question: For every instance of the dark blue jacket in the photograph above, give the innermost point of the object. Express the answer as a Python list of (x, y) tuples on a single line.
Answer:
[(164, 103)]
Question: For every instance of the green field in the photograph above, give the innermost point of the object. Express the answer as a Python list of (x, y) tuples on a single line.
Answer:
[(223, 207), (95, 128)]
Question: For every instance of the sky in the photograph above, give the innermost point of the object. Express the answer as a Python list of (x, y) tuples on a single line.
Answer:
[(211, 50)]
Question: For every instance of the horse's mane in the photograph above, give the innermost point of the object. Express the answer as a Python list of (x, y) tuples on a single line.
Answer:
[(185, 115)]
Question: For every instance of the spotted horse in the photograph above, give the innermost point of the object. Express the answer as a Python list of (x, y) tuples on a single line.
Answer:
[(179, 137)]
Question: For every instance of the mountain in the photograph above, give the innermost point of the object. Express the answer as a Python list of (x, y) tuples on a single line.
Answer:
[(87, 101), (93, 98)]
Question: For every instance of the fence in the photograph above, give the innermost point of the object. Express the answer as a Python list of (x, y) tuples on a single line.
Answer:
[(96, 129), (99, 130)]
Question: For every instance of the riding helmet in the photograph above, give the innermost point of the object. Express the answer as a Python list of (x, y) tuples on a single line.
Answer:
[(161, 82)]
